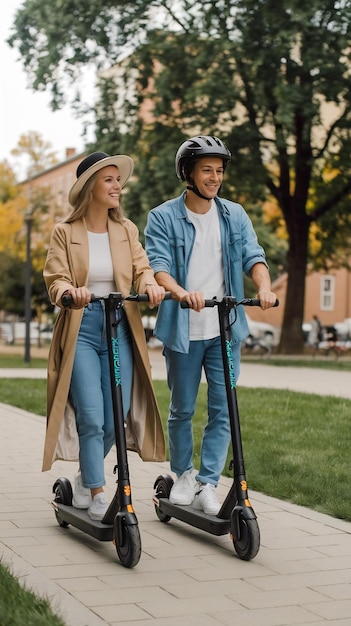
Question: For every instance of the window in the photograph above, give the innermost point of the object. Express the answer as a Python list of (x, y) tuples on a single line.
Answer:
[(327, 293)]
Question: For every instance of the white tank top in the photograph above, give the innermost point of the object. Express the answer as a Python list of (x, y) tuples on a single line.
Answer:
[(206, 272), (100, 278)]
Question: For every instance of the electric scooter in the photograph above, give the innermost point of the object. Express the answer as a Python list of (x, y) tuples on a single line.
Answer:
[(236, 515), (119, 523)]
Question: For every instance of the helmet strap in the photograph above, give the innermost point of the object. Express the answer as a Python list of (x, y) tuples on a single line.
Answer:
[(197, 192)]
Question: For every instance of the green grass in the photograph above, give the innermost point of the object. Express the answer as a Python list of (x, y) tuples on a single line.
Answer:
[(19, 605), (26, 393), (296, 445), (327, 363), (17, 361)]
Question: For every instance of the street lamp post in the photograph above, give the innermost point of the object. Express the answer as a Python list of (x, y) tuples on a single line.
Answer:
[(28, 286)]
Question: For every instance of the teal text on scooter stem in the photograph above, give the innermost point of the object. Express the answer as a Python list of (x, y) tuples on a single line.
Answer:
[(116, 361), (228, 345)]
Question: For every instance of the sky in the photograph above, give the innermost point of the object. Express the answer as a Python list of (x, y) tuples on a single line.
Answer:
[(21, 109)]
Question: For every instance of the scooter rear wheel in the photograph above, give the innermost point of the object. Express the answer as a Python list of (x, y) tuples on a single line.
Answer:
[(62, 489), (249, 543), (163, 485), (129, 553)]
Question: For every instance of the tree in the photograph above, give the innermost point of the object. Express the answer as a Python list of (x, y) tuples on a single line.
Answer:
[(16, 203), (272, 79), (37, 153), (13, 209), (12, 206)]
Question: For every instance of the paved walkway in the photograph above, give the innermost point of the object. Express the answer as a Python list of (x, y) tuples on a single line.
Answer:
[(301, 575), (319, 381)]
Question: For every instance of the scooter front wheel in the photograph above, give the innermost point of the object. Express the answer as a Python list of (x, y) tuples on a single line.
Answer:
[(129, 551), (247, 544)]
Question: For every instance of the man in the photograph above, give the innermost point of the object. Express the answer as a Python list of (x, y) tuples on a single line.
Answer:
[(199, 245)]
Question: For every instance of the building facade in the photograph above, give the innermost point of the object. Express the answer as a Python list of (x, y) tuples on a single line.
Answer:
[(327, 295)]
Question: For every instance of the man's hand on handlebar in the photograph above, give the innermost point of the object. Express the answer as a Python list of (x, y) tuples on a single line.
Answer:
[(194, 299), (267, 299)]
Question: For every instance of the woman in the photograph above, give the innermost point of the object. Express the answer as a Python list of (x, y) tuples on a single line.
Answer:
[(97, 250)]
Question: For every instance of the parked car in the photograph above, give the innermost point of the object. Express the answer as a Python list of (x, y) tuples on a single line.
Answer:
[(12, 332), (342, 330), (262, 336), (306, 329)]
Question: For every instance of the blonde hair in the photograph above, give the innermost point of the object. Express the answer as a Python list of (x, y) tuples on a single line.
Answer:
[(84, 198)]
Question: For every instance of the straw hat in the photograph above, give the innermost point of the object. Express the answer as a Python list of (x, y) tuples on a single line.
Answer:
[(95, 162)]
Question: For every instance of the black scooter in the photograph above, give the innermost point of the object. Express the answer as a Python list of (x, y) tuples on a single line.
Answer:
[(236, 515), (119, 523)]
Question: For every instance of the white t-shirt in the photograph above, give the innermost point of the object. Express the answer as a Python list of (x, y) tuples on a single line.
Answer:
[(206, 272), (100, 277)]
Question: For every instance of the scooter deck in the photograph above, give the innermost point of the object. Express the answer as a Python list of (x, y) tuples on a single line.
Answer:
[(209, 523), (79, 518)]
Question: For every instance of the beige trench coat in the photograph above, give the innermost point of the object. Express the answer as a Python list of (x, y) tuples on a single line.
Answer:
[(66, 266)]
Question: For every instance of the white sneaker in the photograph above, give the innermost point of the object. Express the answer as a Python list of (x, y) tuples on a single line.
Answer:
[(206, 500), (81, 496), (184, 488), (98, 507)]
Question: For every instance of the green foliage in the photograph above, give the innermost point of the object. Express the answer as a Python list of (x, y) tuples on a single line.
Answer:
[(275, 247), (219, 67), (108, 136), (54, 41), (12, 284), (24, 214), (8, 183), (19, 605), (272, 79)]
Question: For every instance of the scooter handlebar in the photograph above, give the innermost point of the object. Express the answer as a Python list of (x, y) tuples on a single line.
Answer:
[(67, 299), (246, 301), (255, 302)]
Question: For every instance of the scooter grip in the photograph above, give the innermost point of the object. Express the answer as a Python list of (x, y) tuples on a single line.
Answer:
[(143, 297), (208, 303), (256, 302), (67, 299)]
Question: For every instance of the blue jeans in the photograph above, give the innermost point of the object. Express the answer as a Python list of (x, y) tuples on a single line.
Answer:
[(184, 376), (90, 390)]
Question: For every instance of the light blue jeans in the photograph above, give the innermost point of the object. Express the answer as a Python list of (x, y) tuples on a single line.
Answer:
[(90, 390), (184, 376)]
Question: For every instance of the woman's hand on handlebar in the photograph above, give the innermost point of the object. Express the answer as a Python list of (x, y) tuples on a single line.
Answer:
[(156, 294), (80, 295)]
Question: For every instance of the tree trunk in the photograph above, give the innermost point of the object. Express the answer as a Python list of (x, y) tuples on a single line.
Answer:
[(291, 340)]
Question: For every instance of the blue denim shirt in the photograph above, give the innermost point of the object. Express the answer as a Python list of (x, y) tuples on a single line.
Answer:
[(169, 240)]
